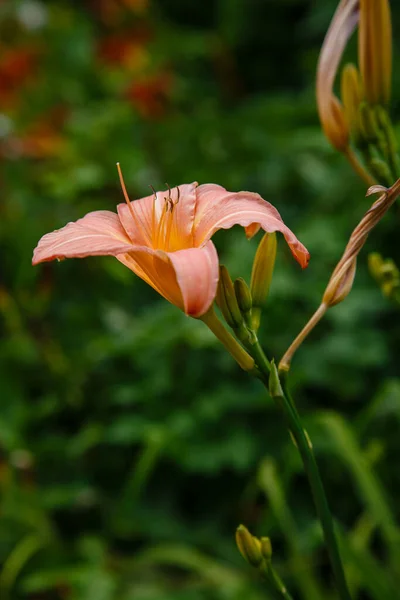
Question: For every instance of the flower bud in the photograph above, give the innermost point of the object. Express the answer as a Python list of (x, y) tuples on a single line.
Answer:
[(266, 548), (261, 275), (249, 546), (243, 296), (351, 92), (226, 299), (340, 284), (375, 50)]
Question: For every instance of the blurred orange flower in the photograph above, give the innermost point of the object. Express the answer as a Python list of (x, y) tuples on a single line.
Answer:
[(149, 94)]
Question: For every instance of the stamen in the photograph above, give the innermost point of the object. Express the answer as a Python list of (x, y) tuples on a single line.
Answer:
[(153, 213), (160, 226), (169, 199), (134, 217)]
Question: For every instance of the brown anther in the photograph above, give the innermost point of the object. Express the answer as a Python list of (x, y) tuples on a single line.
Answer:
[(154, 192), (169, 201)]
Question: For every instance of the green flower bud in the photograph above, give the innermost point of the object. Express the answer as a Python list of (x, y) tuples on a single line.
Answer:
[(243, 296), (249, 546), (261, 275)]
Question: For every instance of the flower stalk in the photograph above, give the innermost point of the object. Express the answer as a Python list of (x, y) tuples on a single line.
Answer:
[(341, 280)]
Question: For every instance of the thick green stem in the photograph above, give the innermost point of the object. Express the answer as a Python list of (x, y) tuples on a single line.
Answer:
[(305, 449)]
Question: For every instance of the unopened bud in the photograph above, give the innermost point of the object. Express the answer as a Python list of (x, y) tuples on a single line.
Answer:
[(340, 284), (261, 275), (228, 304), (226, 299), (351, 92), (266, 548), (243, 296), (249, 546), (375, 50)]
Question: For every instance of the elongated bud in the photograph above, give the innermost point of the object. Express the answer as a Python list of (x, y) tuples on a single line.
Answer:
[(261, 275), (249, 546), (375, 50), (226, 299), (351, 92), (340, 284), (266, 548), (243, 296)]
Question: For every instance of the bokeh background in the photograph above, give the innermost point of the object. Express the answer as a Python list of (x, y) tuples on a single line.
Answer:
[(131, 445)]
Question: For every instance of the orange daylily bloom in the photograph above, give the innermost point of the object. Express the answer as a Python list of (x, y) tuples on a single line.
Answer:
[(330, 110), (165, 238)]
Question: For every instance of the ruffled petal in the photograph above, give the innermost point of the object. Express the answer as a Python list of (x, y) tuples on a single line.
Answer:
[(186, 278), (97, 233), (143, 225), (220, 209)]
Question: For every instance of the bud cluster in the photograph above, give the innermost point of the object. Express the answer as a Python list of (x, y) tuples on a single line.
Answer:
[(361, 116), (241, 305), (387, 275)]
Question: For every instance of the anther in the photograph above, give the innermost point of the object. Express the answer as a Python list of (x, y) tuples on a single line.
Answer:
[(154, 192)]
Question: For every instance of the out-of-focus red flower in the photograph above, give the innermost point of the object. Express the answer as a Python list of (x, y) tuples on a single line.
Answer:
[(127, 51), (150, 94), (111, 10), (17, 67)]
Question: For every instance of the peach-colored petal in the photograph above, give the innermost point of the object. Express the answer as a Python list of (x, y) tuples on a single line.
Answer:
[(329, 108), (144, 226), (97, 233), (219, 209), (156, 271), (187, 278), (197, 273)]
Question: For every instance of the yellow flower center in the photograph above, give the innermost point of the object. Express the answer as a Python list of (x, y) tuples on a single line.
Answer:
[(164, 234)]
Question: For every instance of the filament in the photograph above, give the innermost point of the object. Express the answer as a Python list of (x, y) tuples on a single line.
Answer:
[(134, 217)]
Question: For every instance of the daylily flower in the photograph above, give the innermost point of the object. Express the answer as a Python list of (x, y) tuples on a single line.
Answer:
[(165, 238), (330, 110)]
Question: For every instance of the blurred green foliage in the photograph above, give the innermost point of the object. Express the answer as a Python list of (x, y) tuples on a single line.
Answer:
[(131, 444)]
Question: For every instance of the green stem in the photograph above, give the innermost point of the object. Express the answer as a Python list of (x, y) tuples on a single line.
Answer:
[(305, 449), (272, 576)]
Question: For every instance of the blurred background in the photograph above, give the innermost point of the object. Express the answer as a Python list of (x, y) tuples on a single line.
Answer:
[(131, 445)]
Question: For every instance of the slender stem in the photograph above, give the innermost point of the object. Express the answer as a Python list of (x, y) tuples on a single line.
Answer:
[(272, 576), (286, 359), (307, 455), (358, 167)]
